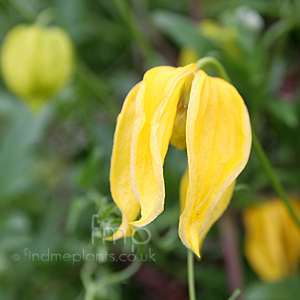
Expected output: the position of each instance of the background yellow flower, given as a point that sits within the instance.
(272, 242)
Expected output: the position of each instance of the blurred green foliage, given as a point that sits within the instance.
(55, 165)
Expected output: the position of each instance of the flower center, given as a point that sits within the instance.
(178, 137)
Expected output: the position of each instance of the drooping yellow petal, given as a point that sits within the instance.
(120, 180)
(155, 112)
(218, 147)
(217, 211)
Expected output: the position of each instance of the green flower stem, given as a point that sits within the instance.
(272, 176)
(191, 277)
(235, 294)
(97, 86)
(203, 62)
(279, 189)
(46, 16)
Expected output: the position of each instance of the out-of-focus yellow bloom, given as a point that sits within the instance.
(272, 242)
(189, 109)
(224, 36)
(36, 62)
(187, 55)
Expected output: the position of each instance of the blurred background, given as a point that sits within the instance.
(54, 163)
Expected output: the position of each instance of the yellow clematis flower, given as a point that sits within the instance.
(186, 108)
(272, 242)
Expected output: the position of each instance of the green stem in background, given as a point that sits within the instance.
(203, 62)
(279, 189)
(272, 176)
(276, 31)
(235, 294)
(97, 85)
(46, 16)
(191, 277)
(144, 45)
(276, 36)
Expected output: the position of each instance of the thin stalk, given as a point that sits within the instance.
(46, 16)
(279, 189)
(191, 277)
(203, 62)
(97, 85)
(235, 294)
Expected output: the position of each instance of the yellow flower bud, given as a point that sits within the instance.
(36, 62)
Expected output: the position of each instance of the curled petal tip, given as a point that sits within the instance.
(197, 253)
(125, 230)
(142, 222)
(110, 239)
